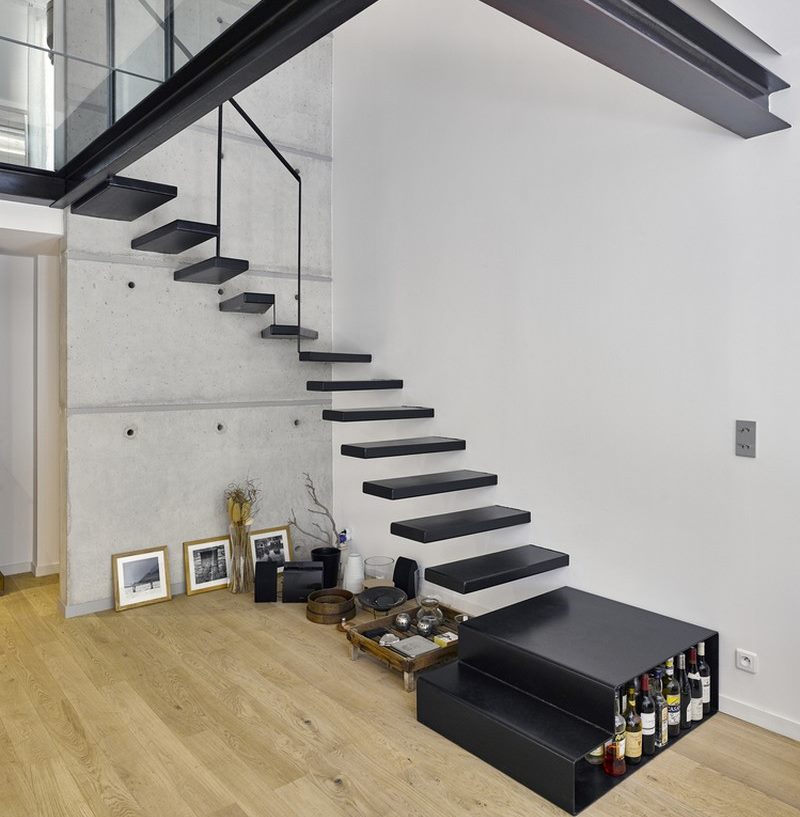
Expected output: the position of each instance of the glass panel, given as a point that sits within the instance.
(69, 69)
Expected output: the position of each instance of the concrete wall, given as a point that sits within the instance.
(162, 360)
(590, 284)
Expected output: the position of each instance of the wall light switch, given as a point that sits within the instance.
(745, 438)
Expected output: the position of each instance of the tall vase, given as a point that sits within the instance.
(241, 560)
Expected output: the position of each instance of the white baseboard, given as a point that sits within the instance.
(16, 569)
(760, 717)
(99, 606)
(45, 570)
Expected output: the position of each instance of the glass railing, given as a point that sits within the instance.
(69, 69)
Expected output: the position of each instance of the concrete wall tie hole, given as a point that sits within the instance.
(131, 285)
(297, 422)
(130, 432)
(220, 291)
(220, 427)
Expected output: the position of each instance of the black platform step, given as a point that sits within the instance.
(334, 357)
(356, 415)
(175, 237)
(353, 385)
(403, 448)
(251, 303)
(215, 270)
(538, 745)
(427, 484)
(281, 331)
(122, 199)
(480, 572)
(460, 523)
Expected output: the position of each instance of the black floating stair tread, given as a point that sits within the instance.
(248, 302)
(460, 523)
(215, 270)
(335, 357)
(403, 448)
(353, 385)
(355, 415)
(283, 331)
(584, 633)
(537, 721)
(175, 237)
(122, 199)
(427, 484)
(492, 569)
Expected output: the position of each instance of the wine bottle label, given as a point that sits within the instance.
(633, 744)
(648, 723)
(620, 748)
(693, 674)
(697, 709)
(664, 725)
(706, 689)
(674, 709)
(689, 710)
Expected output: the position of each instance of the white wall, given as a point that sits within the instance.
(590, 284)
(16, 413)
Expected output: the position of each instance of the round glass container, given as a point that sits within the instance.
(429, 606)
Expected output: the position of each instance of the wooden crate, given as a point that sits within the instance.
(408, 666)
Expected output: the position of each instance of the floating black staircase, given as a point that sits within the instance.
(533, 690)
(357, 415)
(403, 448)
(215, 270)
(123, 199)
(251, 303)
(288, 332)
(427, 484)
(177, 236)
(334, 357)
(492, 569)
(460, 523)
(353, 385)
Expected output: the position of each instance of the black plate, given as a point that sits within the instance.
(382, 598)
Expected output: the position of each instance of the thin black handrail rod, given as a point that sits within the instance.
(219, 182)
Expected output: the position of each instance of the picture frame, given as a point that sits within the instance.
(272, 544)
(207, 564)
(141, 577)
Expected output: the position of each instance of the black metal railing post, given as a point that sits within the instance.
(219, 182)
(168, 26)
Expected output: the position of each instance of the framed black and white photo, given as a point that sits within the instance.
(272, 545)
(207, 563)
(140, 577)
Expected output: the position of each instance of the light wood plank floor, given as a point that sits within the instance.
(212, 706)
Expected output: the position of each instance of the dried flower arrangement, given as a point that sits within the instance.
(242, 500)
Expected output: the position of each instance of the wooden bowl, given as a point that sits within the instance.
(331, 602)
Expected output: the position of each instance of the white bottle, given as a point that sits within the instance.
(354, 573)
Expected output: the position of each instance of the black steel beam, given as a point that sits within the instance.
(663, 48)
(30, 185)
(269, 34)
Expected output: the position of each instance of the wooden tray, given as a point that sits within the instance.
(408, 666)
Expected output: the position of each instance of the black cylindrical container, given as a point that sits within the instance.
(329, 557)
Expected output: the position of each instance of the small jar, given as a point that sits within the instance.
(427, 625)
(429, 606)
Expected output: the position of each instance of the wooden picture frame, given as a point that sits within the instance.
(134, 570)
(267, 539)
(201, 560)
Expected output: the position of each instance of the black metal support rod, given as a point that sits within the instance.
(299, 256)
(262, 136)
(111, 45)
(169, 37)
(219, 181)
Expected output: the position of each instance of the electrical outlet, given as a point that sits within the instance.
(746, 438)
(746, 660)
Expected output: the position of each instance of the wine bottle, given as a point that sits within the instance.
(669, 668)
(662, 710)
(633, 729)
(696, 687)
(614, 760)
(686, 693)
(648, 712)
(637, 685)
(705, 676)
(672, 692)
(596, 756)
